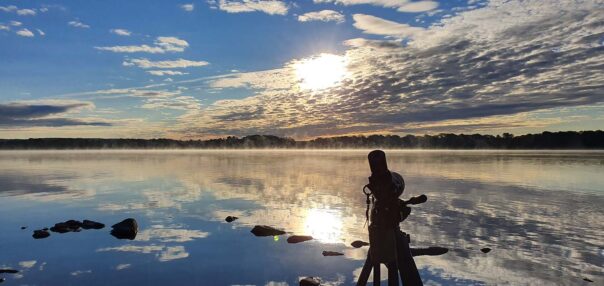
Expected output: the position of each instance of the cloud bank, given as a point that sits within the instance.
(486, 67)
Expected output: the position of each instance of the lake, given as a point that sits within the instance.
(541, 213)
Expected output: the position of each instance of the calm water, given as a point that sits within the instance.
(541, 213)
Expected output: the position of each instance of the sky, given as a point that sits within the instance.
(302, 69)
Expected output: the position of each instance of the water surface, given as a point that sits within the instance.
(540, 212)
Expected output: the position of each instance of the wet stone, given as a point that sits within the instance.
(89, 224)
(359, 244)
(39, 234)
(298, 238)
(126, 229)
(264, 230)
(310, 281)
(332, 253)
(432, 251)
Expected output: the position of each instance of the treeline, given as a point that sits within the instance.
(545, 140)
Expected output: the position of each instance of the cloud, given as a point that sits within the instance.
(499, 62)
(271, 7)
(122, 266)
(78, 24)
(176, 103)
(161, 45)
(29, 114)
(40, 32)
(120, 32)
(164, 253)
(27, 264)
(399, 5)
(10, 8)
(179, 63)
(134, 92)
(26, 12)
(188, 7)
(4, 28)
(25, 33)
(165, 72)
(378, 26)
(16, 23)
(323, 15)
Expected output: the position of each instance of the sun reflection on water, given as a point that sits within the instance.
(324, 225)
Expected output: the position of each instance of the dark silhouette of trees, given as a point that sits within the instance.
(545, 140)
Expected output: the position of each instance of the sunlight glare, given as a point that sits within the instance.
(320, 72)
(324, 225)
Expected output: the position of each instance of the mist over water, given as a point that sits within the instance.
(540, 212)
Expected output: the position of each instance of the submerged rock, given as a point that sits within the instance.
(310, 281)
(332, 253)
(231, 218)
(265, 230)
(298, 238)
(434, 250)
(23, 227)
(11, 271)
(359, 244)
(126, 229)
(89, 224)
(38, 234)
(485, 250)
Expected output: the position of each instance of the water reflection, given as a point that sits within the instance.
(540, 212)
(324, 225)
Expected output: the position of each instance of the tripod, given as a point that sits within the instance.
(403, 264)
(388, 244)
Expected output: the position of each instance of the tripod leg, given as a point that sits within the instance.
(376, 275)
(392, 274)
(406, 264)
(364, 276)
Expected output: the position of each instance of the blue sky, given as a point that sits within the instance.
(303, 69)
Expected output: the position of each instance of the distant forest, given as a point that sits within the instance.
(545, 140)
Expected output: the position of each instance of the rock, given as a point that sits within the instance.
(434, 250)
(38, 234)
(231, 218)
(89, 224)
(67, 226)
(46, 229)
(485, 250)
(298, 238)
(12, 271)
(126, 229)
(587, 279)
(264, 230)
(23, 227)
(2, 280)
(332, 253)
(359, 244)
(310, 281)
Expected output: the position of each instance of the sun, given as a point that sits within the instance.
(321, 71)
